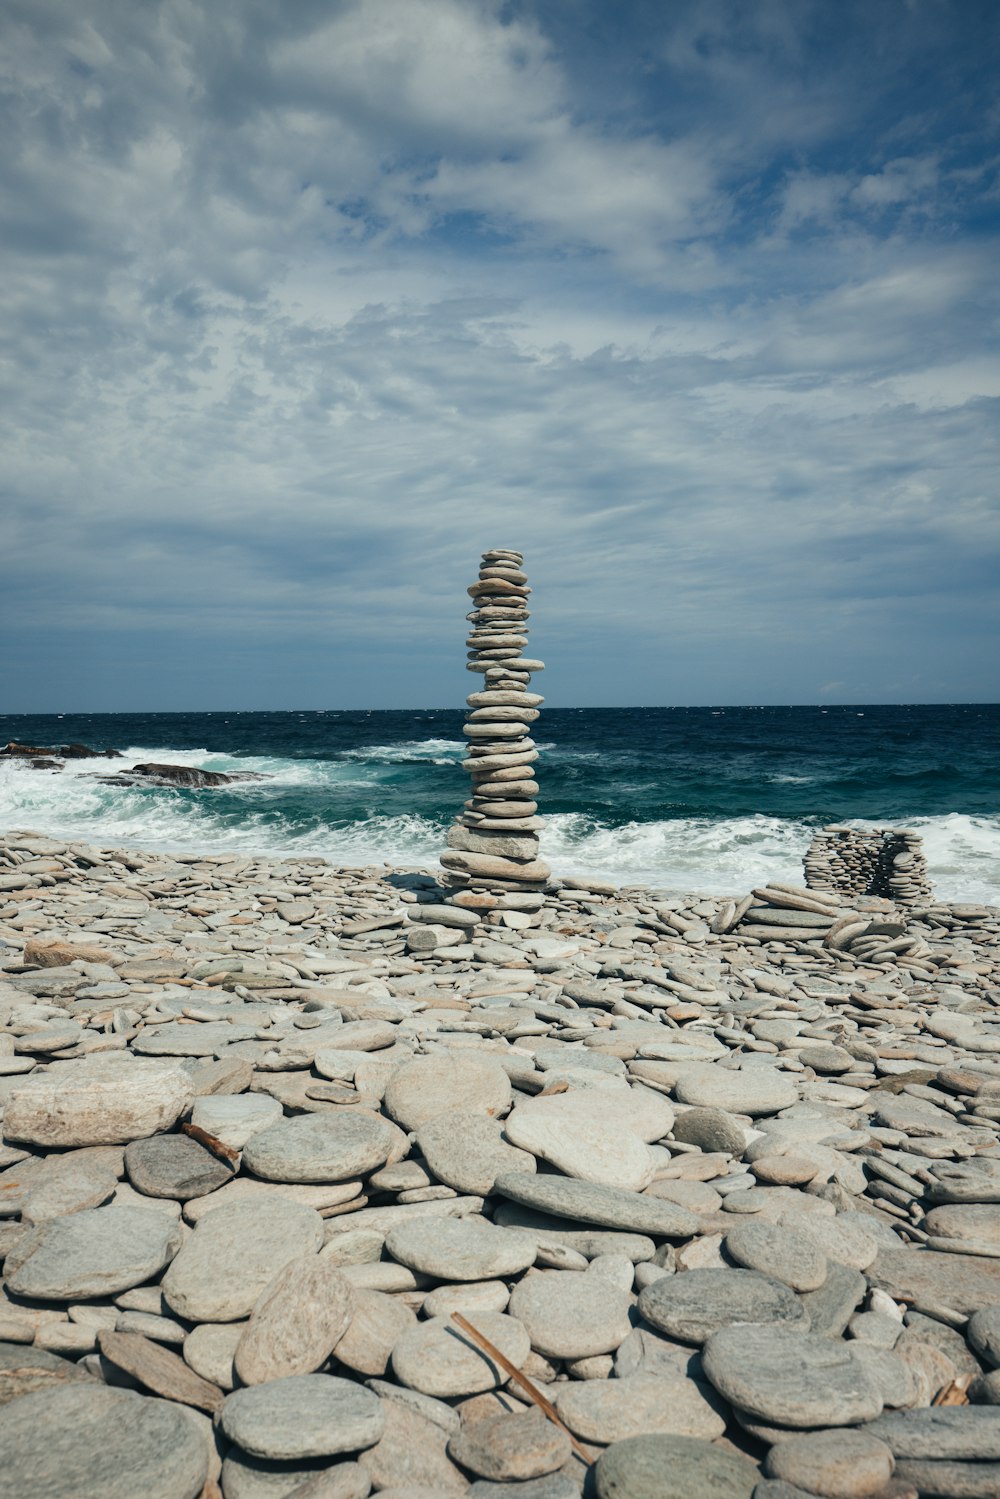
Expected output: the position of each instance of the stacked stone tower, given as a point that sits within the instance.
(492, 856)
(874, 861)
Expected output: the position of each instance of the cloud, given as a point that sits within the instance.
(303, 307)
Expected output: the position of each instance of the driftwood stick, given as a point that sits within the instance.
(210, 1142)
(532, 1392)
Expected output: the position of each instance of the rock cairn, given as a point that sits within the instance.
(887, 862)
(868, 928)
(729, 1203)
(492, 858)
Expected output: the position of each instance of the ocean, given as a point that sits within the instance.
(694, 799)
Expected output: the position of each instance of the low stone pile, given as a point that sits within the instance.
(729, 1205)
(870, 930)
(886, 862)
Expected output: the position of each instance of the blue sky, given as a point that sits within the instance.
(303, 306)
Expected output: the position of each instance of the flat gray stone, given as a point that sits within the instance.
(841, 1464)
(86, 1439)
(460, 1248)
(966, 1432)
(306, 1415)
(511, 1448)
(711, 1130)
(234, 1118)
(377, 1323)
(548, 1229)
(788, 1378)
(297, 1321)
(693, 1305)
(204, 1040)
(234, 1254)
(246, 1477)
(963, 1282)
(411, 1458)
(571, 1313)
(174, 1166)
(329, 1147)
(606, 1207)
(831, 1308)
(651, 1467)
(466, 1150)
(420, 1090)
(610, 1410)
(983, 1334)
(101, 1100)
(551, 1486)
(27, 1370)
(950, 1479)
(99, 1252)
(753, 1091)
(779, 1252)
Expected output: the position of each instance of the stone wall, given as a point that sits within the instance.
(887, 862)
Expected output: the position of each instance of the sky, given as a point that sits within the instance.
(303, 306)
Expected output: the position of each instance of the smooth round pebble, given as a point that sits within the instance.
(376, 1326)
(296, 1323)
(789, 1378)
(752, 1091)
(510, 1447)
(320, 1147)
(174, 1166)
(697, 1303)
(428, 1086)
(460, 1248)
(842, 1464)
(571, 1314)
(307, 1415)
(779, 1252)
(609, 1410)
(234, 1254)
(437, 1358)
(653, 1467)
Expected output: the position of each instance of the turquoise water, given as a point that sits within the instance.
(710, 799)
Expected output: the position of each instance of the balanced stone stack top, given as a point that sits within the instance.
(493, 853)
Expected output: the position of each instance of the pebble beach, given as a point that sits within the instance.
(720, 1212)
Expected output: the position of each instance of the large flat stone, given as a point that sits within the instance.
(234, 1254)
(788, 1378)
(963, 1282)
(86, 1439)
(101, 1100)
(329, 1147)
(651, 1467)
(306, 1415)
(606, 1207)
(697, 1303)
(96, 1253)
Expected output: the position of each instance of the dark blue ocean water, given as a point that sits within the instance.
(690, 798)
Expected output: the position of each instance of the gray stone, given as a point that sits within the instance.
(512, 1447)
(571, 1314)
(949, 1479)
(607, 1207)
(95, 1253)
(460, 1248)
(376, 1326)
(86, 1439)
(583, 1135)
(27, 1371)
(330, 1147)
(466, 1150)
(234, 1254)
(246, 1477)
(650, 1467)
(839, 1464)
(159, 1369)
(752, 1091)
(101, 1100)
(967, 1432)
(831, 1307)
(983, 1333)
(305, 1415)
(174, 1166)
(209, 1350)
(428, 1086)
(609, 1410)
(410, 1458)
(551, 1486)
(68, 1184)
(296, 1323)
(789, 1378)
(711, 1129)
(235, 1118)
(778, 1252)
(437, 1358)
(963, 1282)
(697, 1303)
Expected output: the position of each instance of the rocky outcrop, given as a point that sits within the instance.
(16, 751)
(180, 775)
